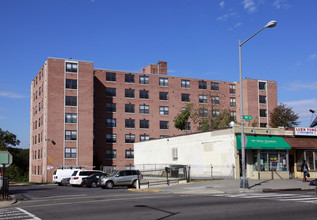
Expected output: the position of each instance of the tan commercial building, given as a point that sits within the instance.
(86, 117)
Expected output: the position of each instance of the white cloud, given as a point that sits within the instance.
(295, 86)
(312, 57)
(222, 4)
(226, 16)
(301, 107)
(281, 4)
(11, 95)
(249, 5)
(235, 26)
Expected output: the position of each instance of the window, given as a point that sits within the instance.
(111, 107)
(130, 123)
(35, 95)
(129, 108)
(234, 115)
(185, 97)
(111, 77)
(39, 107)
(232, 89)
(203, 113)
(144, 123)
(110, 123)
(164, 136)
(40, 91)
(70, 118)
(215, 100)
(163, 110)
(163, 82)
(202, 99)
(70, 152)
(185, 83)
(144, 109)
(111, 138)
(263, 125)
(214, 86)
(187, 126)
(263, 113)
(144, 94)
(262, 85)
(111, 154)
(144, 80)
(71, 67)
(129, 154)
(129, 78)
(163, 124)
(262, 99)
(215, 113)
(71, 101)
(129, 138)
(232, 102)
(175, 153)
(71, 135)
(164, 96)
(111, 92)
(71, 84)
(129, 93)
(144, 137)
(202, 85)
(273, 160)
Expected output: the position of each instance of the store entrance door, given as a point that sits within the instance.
(291, 164)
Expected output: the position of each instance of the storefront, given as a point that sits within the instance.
(267, 157)
(304, 147)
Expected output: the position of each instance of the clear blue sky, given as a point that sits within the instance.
(198, 39)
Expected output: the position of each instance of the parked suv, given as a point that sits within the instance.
(77, 176)
(121, 178)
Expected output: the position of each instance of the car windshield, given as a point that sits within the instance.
(113, 173)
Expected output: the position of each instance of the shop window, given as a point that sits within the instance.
(270, 160)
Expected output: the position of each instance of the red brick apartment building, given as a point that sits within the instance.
(86, 117)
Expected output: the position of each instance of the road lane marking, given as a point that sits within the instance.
(94, 201)
(29, 214)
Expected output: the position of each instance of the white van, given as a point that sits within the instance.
(77, 176)
(60, 174)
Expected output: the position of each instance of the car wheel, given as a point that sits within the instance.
(109, 184)
(60, 184)
(134, 185)
(93, 184)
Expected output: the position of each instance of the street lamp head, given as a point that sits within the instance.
(271, 24)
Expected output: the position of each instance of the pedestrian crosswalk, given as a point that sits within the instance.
(283, 197)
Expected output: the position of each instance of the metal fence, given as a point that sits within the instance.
(176, 172)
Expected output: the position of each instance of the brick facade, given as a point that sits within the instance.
(107, 96)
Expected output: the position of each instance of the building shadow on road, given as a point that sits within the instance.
(170, 214)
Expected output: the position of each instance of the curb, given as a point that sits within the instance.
(9, 202)
(287, 189)
(145, 190)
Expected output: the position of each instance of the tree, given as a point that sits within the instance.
(18, 170)
(181, 119)
(283, 116)
(205, 119)
(7, 139)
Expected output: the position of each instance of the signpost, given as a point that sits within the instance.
(247, 117)
(5, 160)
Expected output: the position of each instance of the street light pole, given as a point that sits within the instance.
(244, 181)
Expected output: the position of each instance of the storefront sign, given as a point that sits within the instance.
(305, 131)
(264, 142)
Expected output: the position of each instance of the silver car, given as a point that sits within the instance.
(120, 178)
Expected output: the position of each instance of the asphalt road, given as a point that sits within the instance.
(53, 202)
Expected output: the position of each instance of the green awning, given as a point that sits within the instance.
(264, 142)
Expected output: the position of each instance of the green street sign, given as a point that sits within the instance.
(247, 117)
(5, 158)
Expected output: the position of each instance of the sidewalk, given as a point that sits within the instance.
(232, 186)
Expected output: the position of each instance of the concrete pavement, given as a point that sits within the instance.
(216, 187)
(233, 186)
